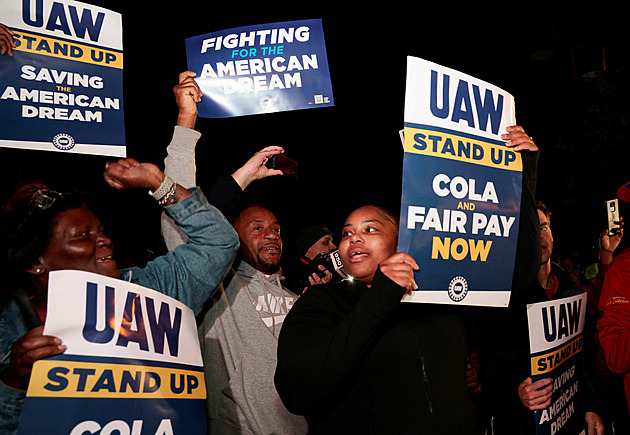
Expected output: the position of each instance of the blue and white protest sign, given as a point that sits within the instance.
(261, 69)
(461, 187)
(556, 342)
(133, 362)
(62, 89)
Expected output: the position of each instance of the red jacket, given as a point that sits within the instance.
(614, 325)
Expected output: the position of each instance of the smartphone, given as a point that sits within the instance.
(612, 209)
(285, 164)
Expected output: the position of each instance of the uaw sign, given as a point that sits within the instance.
(261, 69)
(556, 342)
(461, 190)
(132, 365)
(62, 89)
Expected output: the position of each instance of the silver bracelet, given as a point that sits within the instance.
(170, 196)
(164, 188)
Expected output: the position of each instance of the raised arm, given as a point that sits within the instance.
(192, 272)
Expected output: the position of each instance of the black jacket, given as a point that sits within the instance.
(355, 359)
(504, 357)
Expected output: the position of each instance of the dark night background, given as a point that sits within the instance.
(568, 72)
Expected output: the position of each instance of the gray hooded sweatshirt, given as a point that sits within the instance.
(239, 339)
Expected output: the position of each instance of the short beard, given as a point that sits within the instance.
(268, 268)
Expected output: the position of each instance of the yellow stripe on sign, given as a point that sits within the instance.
(52, 47)
(54, 378)
(549, 361)
(465, 149)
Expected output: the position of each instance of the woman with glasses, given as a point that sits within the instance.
(49, 231)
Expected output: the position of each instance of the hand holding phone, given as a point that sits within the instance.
(612, 210)
(285, 164)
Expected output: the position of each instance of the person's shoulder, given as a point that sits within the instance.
(622, 260)
(566, 285)
(328, 293)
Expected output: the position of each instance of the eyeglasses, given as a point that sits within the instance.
(43, 199)
(40, 201)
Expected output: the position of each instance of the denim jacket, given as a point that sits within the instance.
(191, 274)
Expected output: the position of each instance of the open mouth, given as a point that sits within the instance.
(271, 248)
(105, 259)
(357, 255)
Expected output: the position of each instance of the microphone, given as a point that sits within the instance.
(332, 263)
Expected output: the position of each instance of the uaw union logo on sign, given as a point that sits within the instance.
(63, 141)
(458, 288)
(266, 103)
